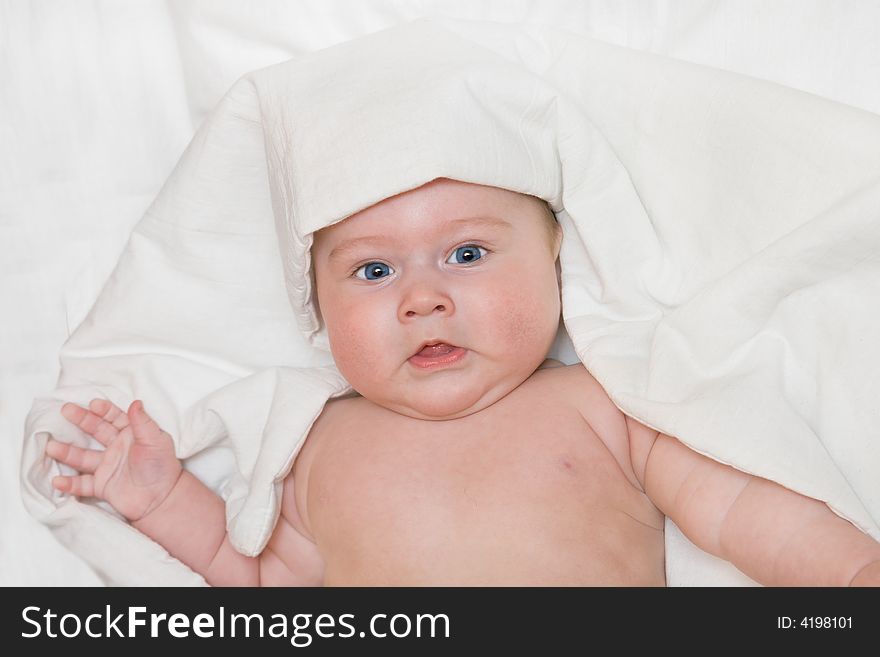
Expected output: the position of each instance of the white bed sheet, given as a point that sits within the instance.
(98, 100)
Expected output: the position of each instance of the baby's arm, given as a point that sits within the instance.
(772, 534)
(140, 476)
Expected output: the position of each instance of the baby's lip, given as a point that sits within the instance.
(436, 354)
(433, 342)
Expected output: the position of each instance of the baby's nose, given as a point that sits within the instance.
(423, 300)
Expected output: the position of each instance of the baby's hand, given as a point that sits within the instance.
(137, 467)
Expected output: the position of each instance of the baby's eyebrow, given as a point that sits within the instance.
(346, 246)
(480, 222)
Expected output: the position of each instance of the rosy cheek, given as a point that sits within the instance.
(356, 342)
(346, 342)
(519, 315)
(522, 324)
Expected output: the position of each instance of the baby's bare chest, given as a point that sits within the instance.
(457, 467)
(386, 484)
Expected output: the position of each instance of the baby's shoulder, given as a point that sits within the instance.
(574, 386)
(340, 412)
(572, 381)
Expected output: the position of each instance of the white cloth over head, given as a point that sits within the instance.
(720, 265)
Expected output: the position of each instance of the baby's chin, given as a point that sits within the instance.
(451, 405)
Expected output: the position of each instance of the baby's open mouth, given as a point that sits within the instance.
(436, 354)
(433, 350)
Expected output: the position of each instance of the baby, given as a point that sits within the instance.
(467, 458)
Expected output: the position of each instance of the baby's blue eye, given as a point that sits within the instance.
(373, 271)
(466, 254)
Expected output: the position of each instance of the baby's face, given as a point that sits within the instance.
(465, 267)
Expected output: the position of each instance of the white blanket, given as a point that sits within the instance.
(720, 264)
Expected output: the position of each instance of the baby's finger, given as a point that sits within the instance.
(84, 460)
(110, 412)
(81, 486)
(103, 431)
(143, 426)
